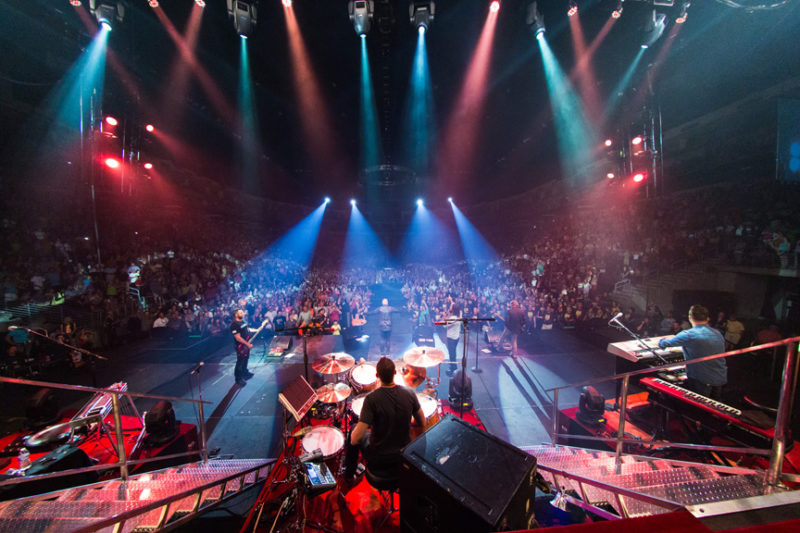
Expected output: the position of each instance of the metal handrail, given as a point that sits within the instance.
(788, 386)
(123, 462)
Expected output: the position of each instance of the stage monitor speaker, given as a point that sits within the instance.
(456, 477)
(66, 457)
(280, 344)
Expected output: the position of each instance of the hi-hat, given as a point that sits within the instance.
(333, 363)
(333, 393)
(423, 356)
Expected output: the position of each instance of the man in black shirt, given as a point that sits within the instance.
(241, 333)
(515, 321)
(383, 429)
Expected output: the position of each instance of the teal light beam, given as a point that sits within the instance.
(419, 108)
(370, 134)
(574, 135)
(248, 128)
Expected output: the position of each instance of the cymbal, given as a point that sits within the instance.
(408, 376)
(333, 393)
(423, 356)
(333, 363)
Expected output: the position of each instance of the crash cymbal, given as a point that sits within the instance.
(333, 363)
(408, 376)
(423, 356)
(333, 393)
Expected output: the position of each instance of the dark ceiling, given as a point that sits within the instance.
(721, 54)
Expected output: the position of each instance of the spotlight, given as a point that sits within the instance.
(112, 162)
(200, 3)
(153, 3)
(608, 142)
(610, 175)
(636, 141)
(535, 20)
(684, 14)
(494, 7)
(419, 202)
(107, 12)
(111, 121)
(75, 3)
(148, 166)
(243, 13)
(654, 28)
(361, 13)
(150, 128)
(639, 177)
(327, 199)
(450, 199)
(573, 8)
(353, 202)
(421, 13)
(286, 3)
(617, 13)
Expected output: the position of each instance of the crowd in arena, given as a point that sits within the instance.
(165, 284)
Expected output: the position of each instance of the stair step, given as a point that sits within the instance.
(712, 490)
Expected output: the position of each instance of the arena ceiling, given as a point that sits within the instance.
(720, 54)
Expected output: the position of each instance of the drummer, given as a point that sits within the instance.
(384, 424)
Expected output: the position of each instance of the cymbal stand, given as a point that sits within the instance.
(477, 343)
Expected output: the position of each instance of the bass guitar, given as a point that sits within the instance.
(241, 349)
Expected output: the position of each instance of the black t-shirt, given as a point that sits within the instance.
(241, 329)
(279, 322)
(388, 411)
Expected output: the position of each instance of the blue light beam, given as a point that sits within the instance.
(363, 247)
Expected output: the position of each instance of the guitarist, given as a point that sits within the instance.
(242, 335)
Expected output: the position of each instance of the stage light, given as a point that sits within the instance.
(610, 175)
(684, 13)
(573, 8)
(450, 199)
(200, 3)
(617, 13)
(76, 3)
(654, 29)
(608, 142)
(420, 203)
(112, 162)
(244, 15)
(327, 199)
(153, 3)
(150, 128)
(421, 13)
(636, 141)
(639, 177)
(494, 7)
(107, 12)
(361, 13)
(111, 121)
(535, 20)
(148, 166)
(353, 202)
(287, 3)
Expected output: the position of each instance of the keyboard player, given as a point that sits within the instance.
(701, 340)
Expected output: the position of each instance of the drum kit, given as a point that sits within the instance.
(350, 385)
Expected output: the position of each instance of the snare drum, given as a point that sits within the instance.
(364, 378)
(430, 410)
(328, 439)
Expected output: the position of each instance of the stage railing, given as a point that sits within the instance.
(123, 462)
(778, 449)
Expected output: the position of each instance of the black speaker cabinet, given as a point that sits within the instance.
(455, 477)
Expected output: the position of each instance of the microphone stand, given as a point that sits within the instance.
(641, 343)
(464, 322)
(81, 350)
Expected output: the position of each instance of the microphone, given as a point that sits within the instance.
(196, 369)
(616, 317)
(311, 457)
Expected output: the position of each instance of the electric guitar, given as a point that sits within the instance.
(241, 349)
